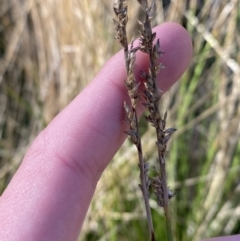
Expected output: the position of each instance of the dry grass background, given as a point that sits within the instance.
(50, 50)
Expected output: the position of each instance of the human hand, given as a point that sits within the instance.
(49, 195)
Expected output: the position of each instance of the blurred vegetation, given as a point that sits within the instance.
(50, 50)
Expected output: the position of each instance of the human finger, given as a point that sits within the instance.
(49, 195)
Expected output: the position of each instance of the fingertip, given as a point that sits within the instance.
(176, 44)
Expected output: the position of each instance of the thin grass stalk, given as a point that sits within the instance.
(153, 96)
(120, 10)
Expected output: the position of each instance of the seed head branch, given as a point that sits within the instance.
(152, 96)
(120, 9)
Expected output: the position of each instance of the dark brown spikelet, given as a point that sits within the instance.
(156, 185)
(120, 10)
(147, 37)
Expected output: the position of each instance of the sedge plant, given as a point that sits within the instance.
(152, 96)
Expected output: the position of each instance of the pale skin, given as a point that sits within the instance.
(50, 193)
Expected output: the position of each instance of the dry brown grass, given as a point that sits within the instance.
(50, 50)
